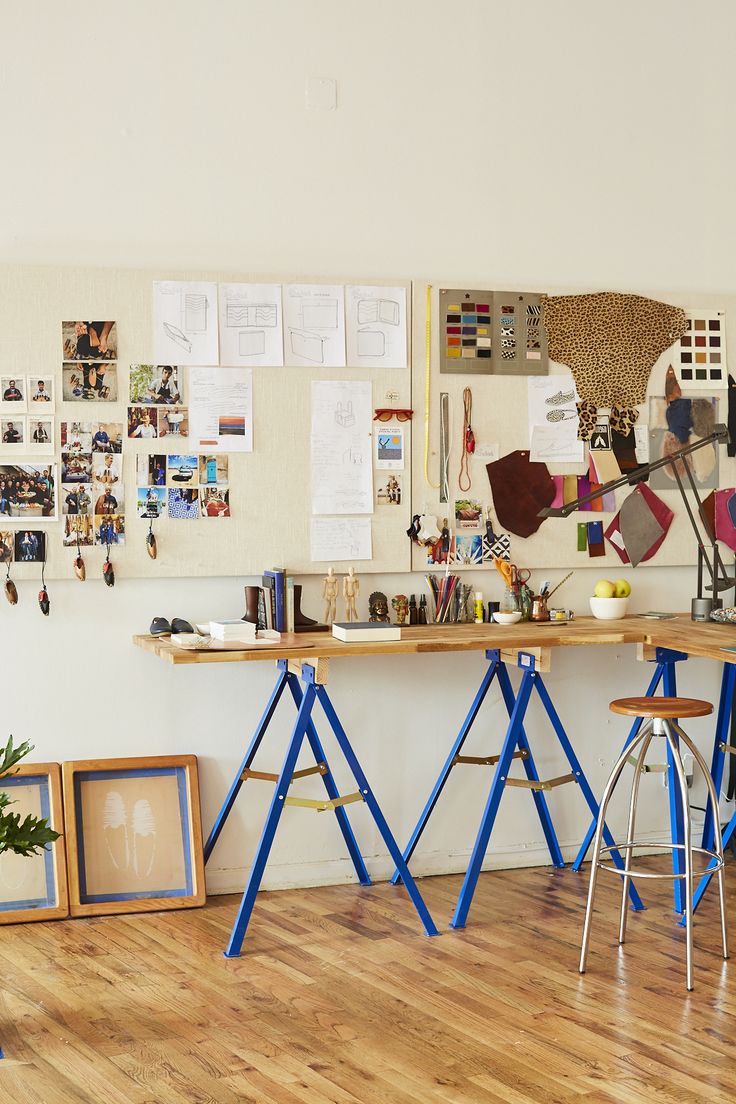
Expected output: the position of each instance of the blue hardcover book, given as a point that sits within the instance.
(279, 577)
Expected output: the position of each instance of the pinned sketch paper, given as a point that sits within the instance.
(341, 539)
(251, 325)
(342, 472)
(390, 449)
(375, 321)
(553, 420)
(314, 325)
(550, 445)
(184, 322)
(221, 409)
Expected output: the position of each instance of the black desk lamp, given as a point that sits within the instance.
(709, 558)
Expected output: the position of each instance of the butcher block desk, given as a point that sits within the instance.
(302, 662)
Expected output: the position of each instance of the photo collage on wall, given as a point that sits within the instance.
(157, 407)
(92, 491)
(186, 486)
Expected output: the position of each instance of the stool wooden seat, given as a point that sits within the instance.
(661, 707)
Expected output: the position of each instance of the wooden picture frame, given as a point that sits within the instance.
(34, 887)
(133, 835)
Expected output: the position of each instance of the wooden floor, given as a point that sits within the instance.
(339, 998)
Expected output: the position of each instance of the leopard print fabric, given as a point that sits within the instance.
(610, 341)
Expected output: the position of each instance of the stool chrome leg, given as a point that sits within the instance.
(642, 734)
(630, 834)
(717, 835)
(687, 840)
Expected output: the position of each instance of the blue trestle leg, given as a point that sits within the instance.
(304, 727)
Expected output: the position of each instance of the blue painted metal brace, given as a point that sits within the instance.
(515, 746)
(304, 700)
(664, 673)
(723, 727)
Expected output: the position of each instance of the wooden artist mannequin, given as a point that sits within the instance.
(329, 593)
(350, 591)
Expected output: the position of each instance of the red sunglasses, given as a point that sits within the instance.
(388, 413)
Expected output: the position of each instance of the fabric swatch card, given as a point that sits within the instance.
(596, 547)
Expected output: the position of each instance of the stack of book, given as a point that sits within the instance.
(242, 632)
(358, 631)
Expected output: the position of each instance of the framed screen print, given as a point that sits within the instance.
(699, 357)
(133, 835)
(492, 333)
(34, 887)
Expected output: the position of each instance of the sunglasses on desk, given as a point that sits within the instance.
(387, 414)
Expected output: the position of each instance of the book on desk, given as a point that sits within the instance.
(365, 630)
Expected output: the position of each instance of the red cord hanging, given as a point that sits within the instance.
(464, 481)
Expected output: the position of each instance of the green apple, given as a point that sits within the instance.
(604, 588)
(623, 588)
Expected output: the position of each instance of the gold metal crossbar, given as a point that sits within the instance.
(266, 776)
(649, 768)
(549, 784)
(488, 760)
(323, 806)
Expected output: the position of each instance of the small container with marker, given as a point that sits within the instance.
(478, 607)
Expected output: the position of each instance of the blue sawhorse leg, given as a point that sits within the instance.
(272, 820)
(250, 754)
(677, 824)
(332, 790)
(494, 666)
(723, 726)
(393, 848)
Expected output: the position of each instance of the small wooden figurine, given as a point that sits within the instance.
(329, 593)
(350, 591)
(378, 607)
(401, 604)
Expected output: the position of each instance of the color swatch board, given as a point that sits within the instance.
(699, 357)
(491, 332)
(270, 522)
(500, 420)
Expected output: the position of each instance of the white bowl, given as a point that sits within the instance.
(609, 609)
(507, 618)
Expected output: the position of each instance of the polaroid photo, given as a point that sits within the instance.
(41, 393)
(76, 437)
(13, 395)
(468, 549)
(76, 499)
(89, 340)
(142, 423)
(173, 421)
(109, 498)
(13, 434)
(150, 470)
(30, 546)
(78, 526)
(109, 529)
(213, 470)
(28, 492)
(156, 384)
(89, 382)
(151, 502)
(184, 503)
(106, 467)
(7, 546)
(181, 471)
(215, 502)
(468, 513)
(106, 436)
(388, 492)
(40, 434)
(76, 467)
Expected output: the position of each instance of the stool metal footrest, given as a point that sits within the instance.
(630, 873)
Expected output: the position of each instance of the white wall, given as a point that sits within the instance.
(560, 143)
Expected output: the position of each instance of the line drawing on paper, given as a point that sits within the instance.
(195, 312)
(310, 346)
(379, 310)
(115, 828)
(344, 415)
(176, 335)
(251, 343)
(371, 343)
(319, 314)
(144, 838)
(353, 456)
(240, 312)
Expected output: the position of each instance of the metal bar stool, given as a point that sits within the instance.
(659, 720)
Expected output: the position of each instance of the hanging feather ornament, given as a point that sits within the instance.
(151, 547)
(79, 569)
(108, 573)
(10, 590)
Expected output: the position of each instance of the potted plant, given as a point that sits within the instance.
(27, 836)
